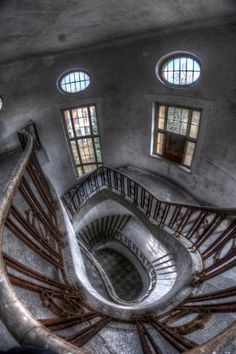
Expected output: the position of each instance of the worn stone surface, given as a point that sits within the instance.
(6, 340)
(7, 163)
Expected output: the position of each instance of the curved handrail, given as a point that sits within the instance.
(31, 331)
(224, 211)
(120, 237)
(18, 320)
(175, 216)
(219, 343)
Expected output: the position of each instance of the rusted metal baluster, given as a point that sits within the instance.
(222, 307)
(59, 323)
(179, 230)
(143, 333)
(35, 247)
(41, 188)
(22, 268)
(146, 201)
(31, 229)
(219, 266)
(35, 205)
(144, 343)
(197, 225)
(82, 337)
(109, 182)
(180, 343)
(175, 215)
(157, 209)
(221, 294)
(208, 231)
(221, 240)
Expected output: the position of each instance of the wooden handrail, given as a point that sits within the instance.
(23, 326)
(27, 330)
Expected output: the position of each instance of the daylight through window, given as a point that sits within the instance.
(83, 135)
(179, 70)
(74, 81)
(175, 133)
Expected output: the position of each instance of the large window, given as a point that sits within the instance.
(83, 135)
(175, 132)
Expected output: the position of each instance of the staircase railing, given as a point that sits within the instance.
(21, 324)
(114, 234)
(210, 230)
(195, 223)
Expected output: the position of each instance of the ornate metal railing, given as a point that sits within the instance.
(28, 213)
(114, 234)
(210, 231)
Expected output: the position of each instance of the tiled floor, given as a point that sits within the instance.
(126, 282)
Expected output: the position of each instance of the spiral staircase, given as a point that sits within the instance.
(110, 268)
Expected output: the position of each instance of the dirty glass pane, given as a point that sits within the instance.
(68, 124)
(98, 149)
(75, 152)
(86, 150)
(193, 131)
(189, 153)
(81, 121)
(160, 142)
(188, 160)
(85, 143)
(185, 115)
(196, 117)
(161, 123)
(74, 82)
(88, 168)
(190, 148)
(94, 120)
(79, 170)
(181, 70)
(177, 119)
(162, 111)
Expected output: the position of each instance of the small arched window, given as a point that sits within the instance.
(73, 81)
(180, 69)
(1, 103)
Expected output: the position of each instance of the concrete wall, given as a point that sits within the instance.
(124, 85)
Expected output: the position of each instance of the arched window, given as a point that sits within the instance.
(73, 81)
(1, 103)
(180, 69)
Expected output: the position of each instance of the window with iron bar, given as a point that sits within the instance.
(82, 131)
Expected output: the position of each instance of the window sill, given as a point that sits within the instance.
(184, 168)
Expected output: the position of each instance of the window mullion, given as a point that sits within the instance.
(91, 129)
(76, 142)
(156, 127)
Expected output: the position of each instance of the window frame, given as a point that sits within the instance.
(155, 131)
(171, 56)
(1, 103)
(75, 138)
(68, 72)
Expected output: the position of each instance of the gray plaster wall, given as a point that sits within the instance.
(124, 86)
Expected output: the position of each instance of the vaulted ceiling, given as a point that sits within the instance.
(30, 27)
